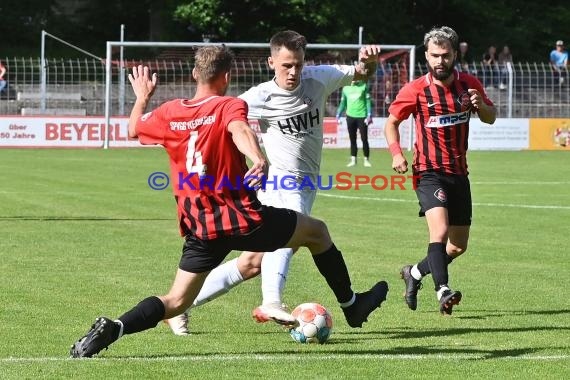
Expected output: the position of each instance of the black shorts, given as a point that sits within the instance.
(204, 255)
(453, 192)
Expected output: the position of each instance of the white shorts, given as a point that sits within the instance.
(296, 200)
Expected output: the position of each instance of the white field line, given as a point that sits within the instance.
(510, 205)
(287, 357)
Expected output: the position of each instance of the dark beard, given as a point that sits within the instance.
(441, 75)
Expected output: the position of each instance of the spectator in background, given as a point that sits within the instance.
(358, 105)
(490, 69)
(504, 57)
(559, 61)
(464, 58)
(2, 80)
(384, 74)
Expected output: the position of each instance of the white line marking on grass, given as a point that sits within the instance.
(320, 193)
(545, 207)
(300, 357)
(510, 205)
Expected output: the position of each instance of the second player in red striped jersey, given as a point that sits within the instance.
(441, 103)
(441, 114)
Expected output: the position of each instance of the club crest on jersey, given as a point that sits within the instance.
(440, 195)
(308, 101)
(464, 100)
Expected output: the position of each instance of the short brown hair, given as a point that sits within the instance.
(441, 35)
(212, 61)
(289, 39)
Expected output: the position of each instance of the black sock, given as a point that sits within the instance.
(331, 265)
(423, 266)
(144, 316)
(438, 264)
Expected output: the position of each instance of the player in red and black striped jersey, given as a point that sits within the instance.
(207, 139)
(441, 103)
(212, 200)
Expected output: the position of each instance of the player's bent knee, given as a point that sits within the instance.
(454, 251)
(249, 260)
(250, 272)
(320, 230)
(438, 232)
(174, 305)
(311, 233)
(249, 264)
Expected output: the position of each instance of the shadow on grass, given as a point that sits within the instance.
(417, 334)
(504, 313)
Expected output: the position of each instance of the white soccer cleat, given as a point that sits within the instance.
(178, 324)
(275, 312)
(367, 163)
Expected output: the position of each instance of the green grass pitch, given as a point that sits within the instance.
(83, 235)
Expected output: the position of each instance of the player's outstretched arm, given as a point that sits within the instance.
(246, 141)
(367, 62)
(143, 86)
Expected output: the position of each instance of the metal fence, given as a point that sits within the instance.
(77, 86)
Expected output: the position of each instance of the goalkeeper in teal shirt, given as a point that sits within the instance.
(358, 105)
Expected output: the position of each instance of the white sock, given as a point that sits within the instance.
(440, 291)
(349, 303)
(220, 281)
(415, 272)
(274, 269)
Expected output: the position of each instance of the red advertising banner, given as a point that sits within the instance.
(64, 132)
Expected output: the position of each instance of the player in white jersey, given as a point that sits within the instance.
(290, 109)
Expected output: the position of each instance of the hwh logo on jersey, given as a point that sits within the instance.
(447, 120)
(299, 123)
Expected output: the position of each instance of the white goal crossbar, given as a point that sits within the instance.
(111, 44)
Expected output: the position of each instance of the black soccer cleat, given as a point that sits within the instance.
(103, 332)
(412, 287)
(447, 300)
(365, 303)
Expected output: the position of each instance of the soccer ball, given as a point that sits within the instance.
(315, 323)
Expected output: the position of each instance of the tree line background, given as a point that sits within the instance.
(529, 28)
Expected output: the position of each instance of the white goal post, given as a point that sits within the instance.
(143, 44)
